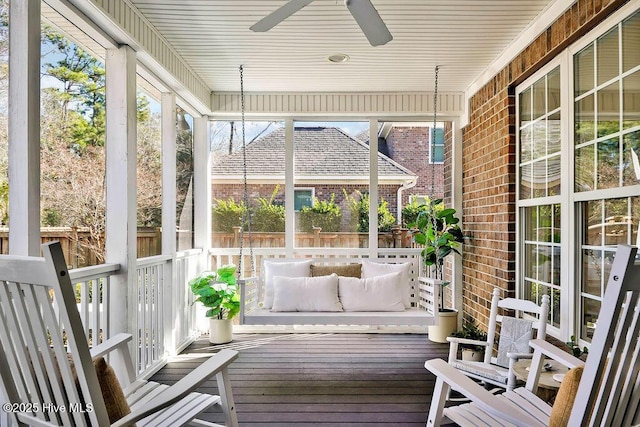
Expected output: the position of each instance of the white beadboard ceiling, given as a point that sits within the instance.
(463, 36)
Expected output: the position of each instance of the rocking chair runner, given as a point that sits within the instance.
(608, 393)
(48, 387)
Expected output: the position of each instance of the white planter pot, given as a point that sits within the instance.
(447, 324)
(471, 355)
(220, 331)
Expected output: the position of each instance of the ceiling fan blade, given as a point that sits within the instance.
(279, 15)
(369, 21)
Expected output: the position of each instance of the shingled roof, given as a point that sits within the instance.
(319, 152)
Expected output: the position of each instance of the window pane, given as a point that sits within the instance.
(584, 120)
(590, 310)
(593, 234)
(608, 110)
(631, 164)
(608, 163)
(617, 222)
(553, 134)
(583, 70)
(525, 107)
(539, 98)
(631, 100)
(554, 165)
(608, 56)
(553, 90)
(302, 198)
(526, 144)
(526, 183)
(631, 42)
(584, 172)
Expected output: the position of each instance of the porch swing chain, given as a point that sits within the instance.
(433, 130)
(246, 217)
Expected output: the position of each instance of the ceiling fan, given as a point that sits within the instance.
(363, 12)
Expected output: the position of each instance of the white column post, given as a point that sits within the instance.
(24, 128)
(120, 65)
(172, 316)
(373, 188)
(456, 203)
(289, 187)
(202, 184)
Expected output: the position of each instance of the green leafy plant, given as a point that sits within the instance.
(360, 213)
(218, 291)
(575, 348)
(471, 331)
(411, 211)
(437, 229)
(226, 214)
(325, 214)
(269, 216)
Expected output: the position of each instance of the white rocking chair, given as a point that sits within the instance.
(608, 392)
(46, 386)
(512, 346)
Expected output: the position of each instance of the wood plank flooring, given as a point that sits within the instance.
(322, 378)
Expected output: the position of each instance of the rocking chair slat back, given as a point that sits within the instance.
(613, 356)
(34, 340)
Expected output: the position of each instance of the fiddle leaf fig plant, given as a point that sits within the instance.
(218, 291)
(437, 229)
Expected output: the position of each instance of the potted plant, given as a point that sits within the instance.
(437, 229)
(470, 331)
(218, 292)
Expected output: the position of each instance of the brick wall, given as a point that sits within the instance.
(489, 156)
(409, 146)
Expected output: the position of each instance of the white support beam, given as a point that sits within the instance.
(201, 184)
(169, 134)
(373, 188)
(121, 185)
(289, 186)
(456, 203)
(24, 128)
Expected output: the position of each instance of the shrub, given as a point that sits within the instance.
(324, 213)
(227, 214)
(411, 211)
(360, 213)
(268, 217)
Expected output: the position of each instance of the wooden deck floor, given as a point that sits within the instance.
(322, 378)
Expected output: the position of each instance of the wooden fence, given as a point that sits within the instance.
(76, 247)
(80, 253)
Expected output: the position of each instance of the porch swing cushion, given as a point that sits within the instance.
(283, 269)
(375, 269)
(306, 294)
(380, 293)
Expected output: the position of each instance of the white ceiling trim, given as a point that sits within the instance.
(327, 104)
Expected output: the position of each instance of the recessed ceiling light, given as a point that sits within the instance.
(338, 58)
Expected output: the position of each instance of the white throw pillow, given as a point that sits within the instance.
(373, 269)
(306, 293)
(380, 293)
(285, 269)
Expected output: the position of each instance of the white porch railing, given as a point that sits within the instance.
(161, 289)
(92, 296)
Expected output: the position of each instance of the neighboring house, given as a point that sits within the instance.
(327, 160)
(409, 144)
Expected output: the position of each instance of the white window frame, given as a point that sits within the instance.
(568, 199)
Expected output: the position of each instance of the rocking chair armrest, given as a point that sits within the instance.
(555, 353)
(117, 342)
(519, 356)
(467, 341)
(182, 388)
(487, 401)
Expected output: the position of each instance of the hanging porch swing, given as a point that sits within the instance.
(317, 291)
